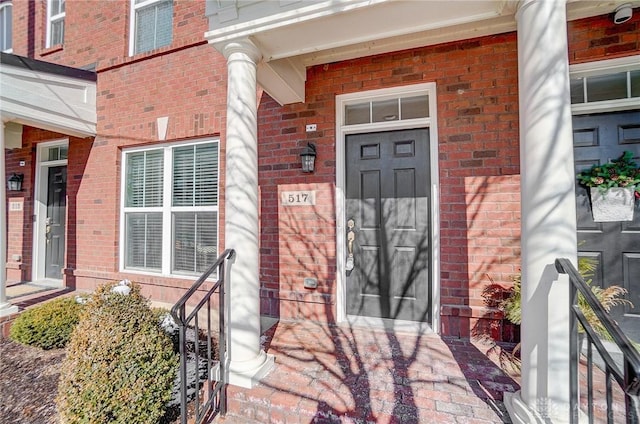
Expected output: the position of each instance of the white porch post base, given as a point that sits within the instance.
(7, 309)
(521, 413)
(248, 373)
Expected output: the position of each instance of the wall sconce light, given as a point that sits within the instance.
(308, 157)
(14, 182)
(622, 14)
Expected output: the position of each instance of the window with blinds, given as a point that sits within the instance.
(170, 211)
(55, 22)
(153, 24)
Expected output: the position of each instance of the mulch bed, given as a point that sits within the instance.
(28, 383)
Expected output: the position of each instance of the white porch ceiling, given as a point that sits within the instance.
(47, 96)
(294, 34)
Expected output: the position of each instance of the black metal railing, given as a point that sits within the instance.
(196, 344)
(628, 378)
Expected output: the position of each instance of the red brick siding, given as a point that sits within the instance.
(20, 223)
(5, 325)
(599, 38)
(97, 32)
(19, 234)
(185, 81)
(478, 138)
(478, 152)
(479, 169)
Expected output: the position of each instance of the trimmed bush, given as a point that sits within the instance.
(120, 364)
(47, 326)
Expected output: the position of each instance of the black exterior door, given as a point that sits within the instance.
(55, 222)
(615, 245)
(388, 198)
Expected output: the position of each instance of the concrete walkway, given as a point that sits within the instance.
(340, 374)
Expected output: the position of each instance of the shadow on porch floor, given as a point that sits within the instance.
(329, 374)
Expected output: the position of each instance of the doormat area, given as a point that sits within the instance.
(23, 289)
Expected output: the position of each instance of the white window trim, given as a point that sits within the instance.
(166, 208)
(8, 4)
(342, 131)
(132, 23)
(605, 67)
(40, 205)
(51, 19)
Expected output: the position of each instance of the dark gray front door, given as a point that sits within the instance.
(387, 197)
(55, 222)
(615, 245)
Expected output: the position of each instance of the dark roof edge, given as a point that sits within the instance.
(51, 68)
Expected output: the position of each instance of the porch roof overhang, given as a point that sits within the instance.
(294, 34)
(48, 96)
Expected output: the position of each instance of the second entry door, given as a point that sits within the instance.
(56, 222)
(615, 246)
(387, 210)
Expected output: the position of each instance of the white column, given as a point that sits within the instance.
(548, 211)
(6, 308)
(248, 363)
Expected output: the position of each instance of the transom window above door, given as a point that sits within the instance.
(169, 215)
(56, 153)
(611, 84)
(151, 25)
(387, 109)
(597, 88)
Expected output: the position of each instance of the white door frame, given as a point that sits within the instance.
(342, 131)
(40, 192)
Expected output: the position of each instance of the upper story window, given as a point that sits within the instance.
(170, 208)
(55, 22)
(152, 25)
(6, 26)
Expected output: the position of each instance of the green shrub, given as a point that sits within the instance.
(120, 365)
(47, 326)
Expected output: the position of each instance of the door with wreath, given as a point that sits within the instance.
(597, 139)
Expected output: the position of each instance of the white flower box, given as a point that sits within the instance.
(613, 204)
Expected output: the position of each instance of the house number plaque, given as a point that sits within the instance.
(15, 206)
(298, 198)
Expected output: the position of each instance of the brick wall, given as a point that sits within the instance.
(479, 171)
(478, 136)
(297, 242)
(185, 82)
(478, 152)
(19, 230)
(20, 223)
(598, 38)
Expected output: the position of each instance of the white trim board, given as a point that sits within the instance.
(341, 132)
